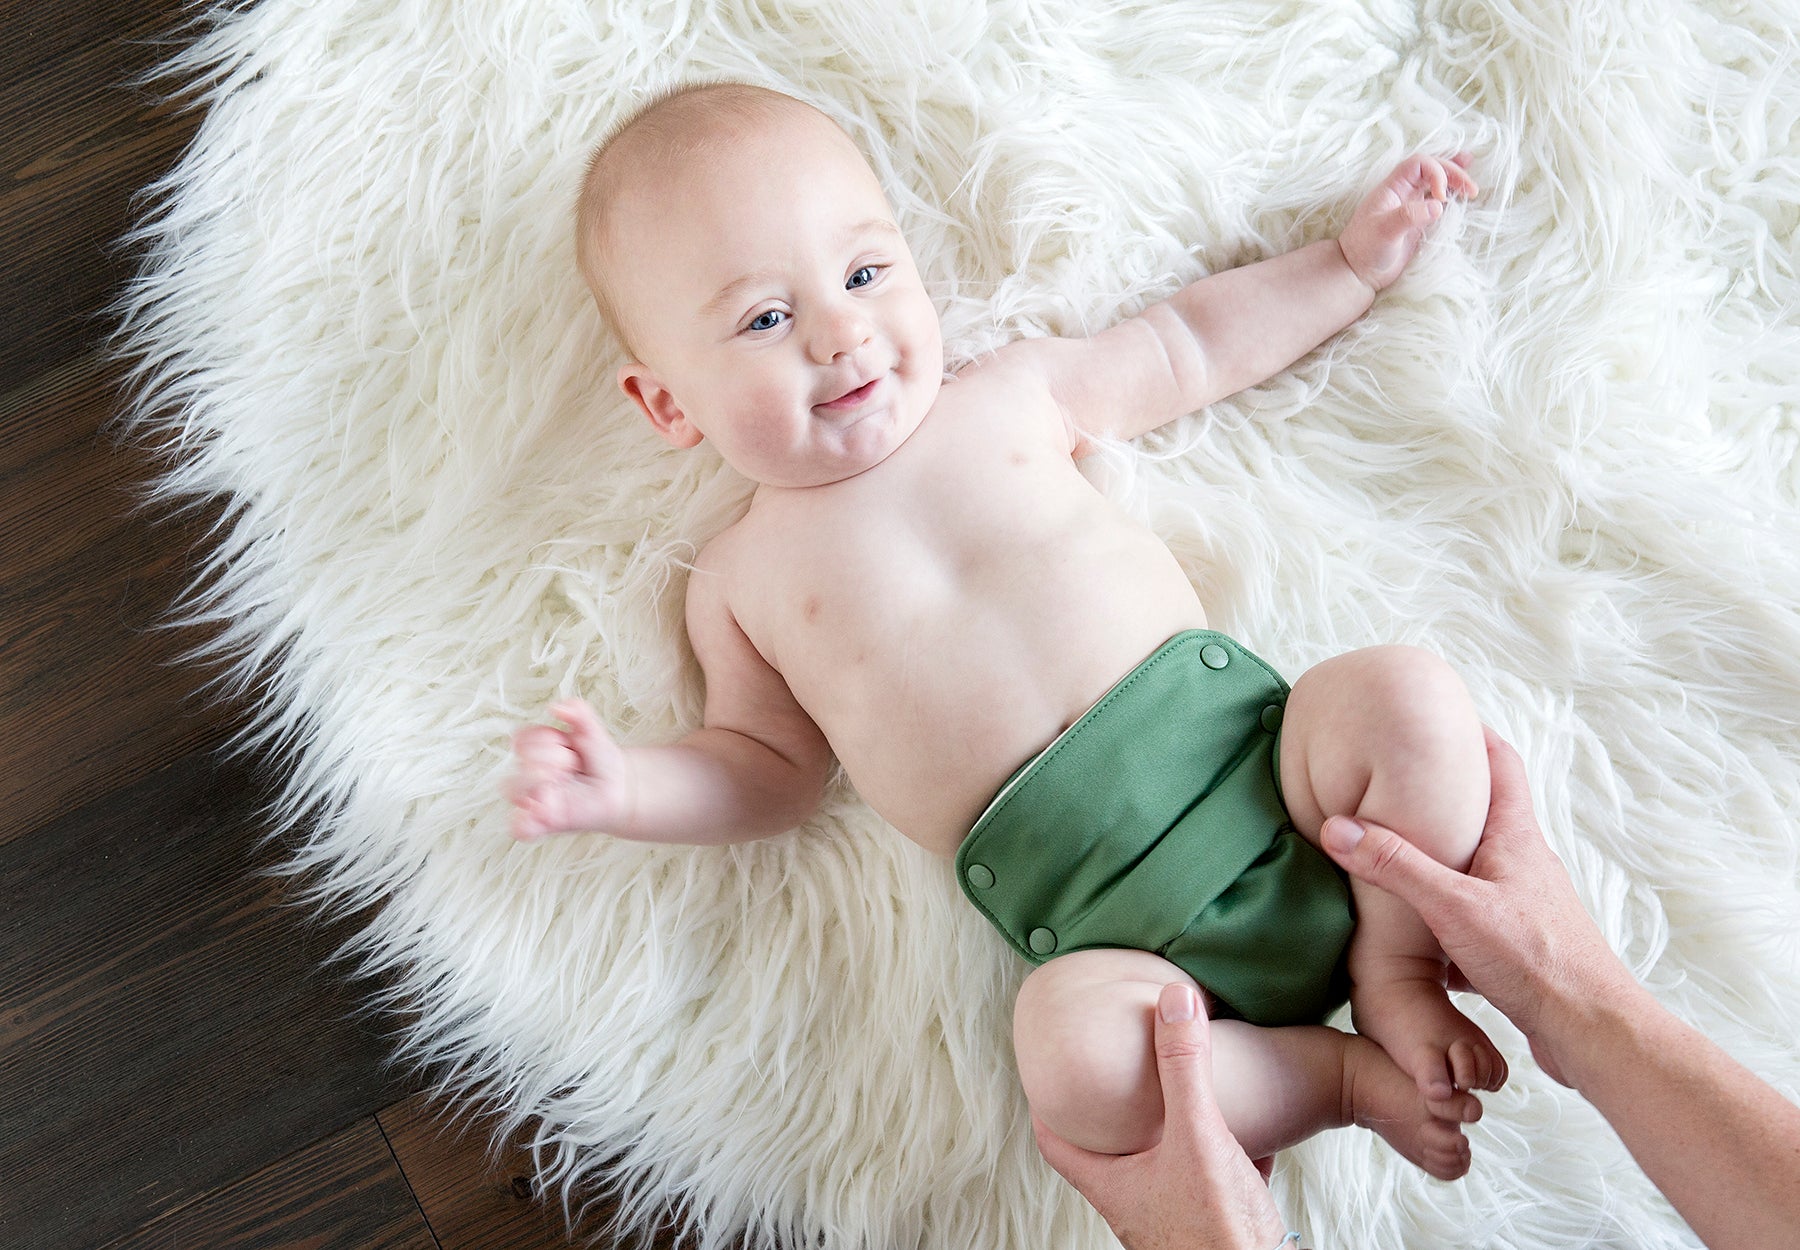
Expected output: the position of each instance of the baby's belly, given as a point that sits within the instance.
(940, 717)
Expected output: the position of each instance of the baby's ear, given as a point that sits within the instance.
(657, 403)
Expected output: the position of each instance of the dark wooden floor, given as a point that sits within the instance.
(179, 1066)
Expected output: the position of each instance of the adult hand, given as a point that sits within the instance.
(1195, 1187)
(1512, 924)
(1722, 1145)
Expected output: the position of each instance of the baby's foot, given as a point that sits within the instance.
(1379, 1096)
(1440, 1048)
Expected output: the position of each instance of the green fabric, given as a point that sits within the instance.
(1156, 822)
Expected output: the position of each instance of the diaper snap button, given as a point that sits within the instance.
(1042, 941)
(1271, 718)
(980, 876)
(1214, 656)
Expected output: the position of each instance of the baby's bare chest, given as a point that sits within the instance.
(975, 546)
(942, 621)
(983, 511)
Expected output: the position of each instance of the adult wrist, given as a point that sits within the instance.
(1583, 1030)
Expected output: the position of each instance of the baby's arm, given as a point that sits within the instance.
(1234, 329)
(756, 767)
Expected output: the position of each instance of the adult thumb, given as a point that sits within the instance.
(1384, 859)
(1183, 1055)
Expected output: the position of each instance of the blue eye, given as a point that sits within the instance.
(766, 321)
(852, 284)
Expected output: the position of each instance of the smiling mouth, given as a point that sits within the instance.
(852, 399)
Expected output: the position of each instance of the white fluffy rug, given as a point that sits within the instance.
(1562, 452)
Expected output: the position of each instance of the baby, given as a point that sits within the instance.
(1010, 670)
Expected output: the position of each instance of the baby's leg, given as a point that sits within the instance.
(1390, 734)
(1084, 1032)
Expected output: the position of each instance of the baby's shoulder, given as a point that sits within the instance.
(721, 553)
(711, 576)
(1008, 391)
(1016, 364)
(739, 553)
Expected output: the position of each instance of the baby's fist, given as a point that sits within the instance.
(568, 779)
(1391, 222)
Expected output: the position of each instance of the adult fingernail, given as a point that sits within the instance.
(1178, 1004)
(1342, 834)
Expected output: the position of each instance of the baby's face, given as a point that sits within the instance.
(778, 307)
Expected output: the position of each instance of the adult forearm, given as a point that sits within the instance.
(1256, 320)
(715, 786)
(1723, 1146)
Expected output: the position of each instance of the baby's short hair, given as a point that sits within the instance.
(670, 128)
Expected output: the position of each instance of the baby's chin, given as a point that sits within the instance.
(855, 459)
(822, 470)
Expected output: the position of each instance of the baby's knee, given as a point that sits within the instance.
(1420, 702)
(1083, 1033)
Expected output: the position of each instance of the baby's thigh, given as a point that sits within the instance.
(1393, 726)
(1084, 1034)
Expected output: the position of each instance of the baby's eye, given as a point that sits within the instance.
(862, 277)
(767, 320)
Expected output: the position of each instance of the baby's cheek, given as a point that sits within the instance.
(772, 417)
(926, 335)
(922, 363)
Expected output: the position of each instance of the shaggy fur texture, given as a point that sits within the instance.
(1561, 452)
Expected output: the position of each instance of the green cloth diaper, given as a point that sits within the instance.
(1156, 822)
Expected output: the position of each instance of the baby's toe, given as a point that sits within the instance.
(1459, 1108)
(1445, 1151)
(1476, 1065)
(1435, 1077)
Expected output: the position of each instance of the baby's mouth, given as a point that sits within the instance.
(851, 399)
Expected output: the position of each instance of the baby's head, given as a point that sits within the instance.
(744, 253)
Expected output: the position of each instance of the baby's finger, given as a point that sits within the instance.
(579, 717)
(546, 748)
(527, 781)
(1413, 172)
(587, 735)
(1437, 179)
(1461, 181)
(1415, 175)
(572, 711)
(1422, 213)
(529, 824)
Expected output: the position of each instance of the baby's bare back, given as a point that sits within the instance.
(944, 615)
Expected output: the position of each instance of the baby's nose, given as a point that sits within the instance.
(840, 332)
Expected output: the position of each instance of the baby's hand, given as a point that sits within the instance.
(577, 778)
(1390, 224)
